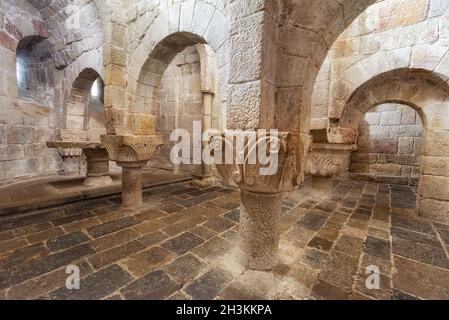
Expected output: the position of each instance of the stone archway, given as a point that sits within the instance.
(429, 95)
(188, 94)
(81, 111)
(141, 111)
(76, 104)
(388, 145)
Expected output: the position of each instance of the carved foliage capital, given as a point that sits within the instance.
(288, 174)
(328, 160)
(131, 148)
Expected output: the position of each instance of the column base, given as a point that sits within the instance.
(97, 181)
(259, 230)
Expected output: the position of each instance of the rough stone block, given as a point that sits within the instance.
(18, 134)
(384, 145)
(400, 13)
(439, 145)
(434, 209)
(435, 187)
(372, 118)
(435, 166)
(391, 118)
(405, 145)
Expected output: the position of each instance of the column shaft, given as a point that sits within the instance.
(259, 229)
(131, 187)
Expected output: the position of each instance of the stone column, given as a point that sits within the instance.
(97, 167)
(259, 229)
(131, 152)
(261, 197)
(131, 183)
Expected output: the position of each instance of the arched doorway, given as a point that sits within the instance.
(429, 96)
(178, 88)
(389, 145)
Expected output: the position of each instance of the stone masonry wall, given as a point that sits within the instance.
(389, 144)
(25, 125)
(390, 34)
(31, 116)
(179, 103)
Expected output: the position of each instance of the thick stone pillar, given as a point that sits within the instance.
(97, 167)
(131, 152)
(259, 229)
(261, 196)
(131, 184)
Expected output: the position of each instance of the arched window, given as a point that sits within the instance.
(34, 70)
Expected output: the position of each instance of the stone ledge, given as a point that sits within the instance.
(85, 193)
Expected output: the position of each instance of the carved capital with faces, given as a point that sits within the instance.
(328, 160)
(131, 148)
(283, 173)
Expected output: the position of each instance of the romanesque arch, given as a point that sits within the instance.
(429, 95)
(76, 104)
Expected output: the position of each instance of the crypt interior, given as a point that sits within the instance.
(92, 90)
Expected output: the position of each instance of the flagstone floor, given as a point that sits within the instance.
(184, 245)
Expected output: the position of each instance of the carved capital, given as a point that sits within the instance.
(328, 160)
(71, 135)
(291, 153)
(131, 148)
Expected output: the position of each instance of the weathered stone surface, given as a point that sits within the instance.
(113, 226)
(146, 261)
(107, 257)
(95, 286)
(155, 285)
(67, 241)
(313, 220)
(421, 280)
(240, 291)
(21, 273)
(209, 285)
(184, 269)
(182, 243)
(377, 247)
